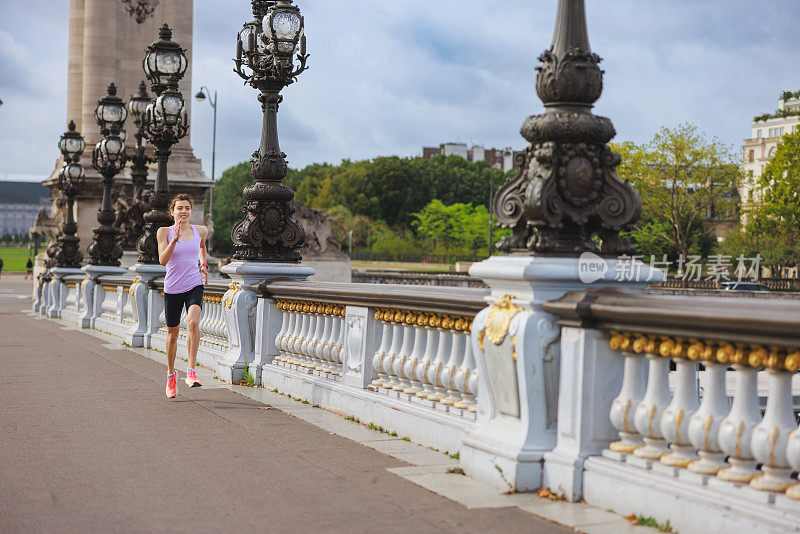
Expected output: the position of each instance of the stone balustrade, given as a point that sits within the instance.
(702, 433)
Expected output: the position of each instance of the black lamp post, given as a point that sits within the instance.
(201, 95)
(568, 191)
(70, 181)
(108, 158)
(270, 54)
(164, 123)
(133, 216)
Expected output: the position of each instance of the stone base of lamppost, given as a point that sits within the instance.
(58, 292)
(239, 305)
(532, 428)
(92, 297)
(146, 304)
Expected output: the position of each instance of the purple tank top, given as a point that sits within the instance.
(183, 272)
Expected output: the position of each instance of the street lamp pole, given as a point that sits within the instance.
(270, 54)
(164, 123)
(200, 96)
(108, 158)
(491, 215)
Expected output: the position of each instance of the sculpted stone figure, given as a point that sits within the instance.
(320, 238)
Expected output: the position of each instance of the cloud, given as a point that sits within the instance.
(389, 77)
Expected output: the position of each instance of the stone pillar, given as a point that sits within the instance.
(75, 63)
(534, 426)
(239, 305)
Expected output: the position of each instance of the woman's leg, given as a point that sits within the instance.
(172, 347)
(193, 326)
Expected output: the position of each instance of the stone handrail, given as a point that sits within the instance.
(435, 299)
(732, 320)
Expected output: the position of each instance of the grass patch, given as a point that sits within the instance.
(406, 438)
(636, 519)
(456, 471)
(14, 259)
(353, 419)
(455, 456)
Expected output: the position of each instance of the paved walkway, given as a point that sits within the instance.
(89, 443)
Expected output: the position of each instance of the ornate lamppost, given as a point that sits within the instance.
(70, 181)
(108, 158)
(64, 256)
(131, 220)
(567, 207)
(164, 123)
(270, 54)
(568, 190)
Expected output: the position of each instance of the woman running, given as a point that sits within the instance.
(182, 248)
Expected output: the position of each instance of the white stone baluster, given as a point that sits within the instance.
(329, 343)
(736, 430)
(297, 342)
(316, 338)
(449, 374)
(792, 364)
(630, 395)
(417, 352)
(324, 339)
(431, 349)
(308, 338)
(704, 424)
(647, 418)
(394, 352)
(341, 334)
(675, 419)
(399, 364)
(280, 339)
(289, 310)
(384, 348)
(442, 356)
(771, 435)
(466, 374)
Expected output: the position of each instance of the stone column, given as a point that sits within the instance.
(99, 60)
(75, 63)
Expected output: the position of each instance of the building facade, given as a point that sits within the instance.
(767, 130)
(19, 204)
(504, 159)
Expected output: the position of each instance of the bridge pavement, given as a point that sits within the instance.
(89, 443)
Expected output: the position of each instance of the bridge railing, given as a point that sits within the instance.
(698, 432)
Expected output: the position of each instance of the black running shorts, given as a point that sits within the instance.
(174, 302)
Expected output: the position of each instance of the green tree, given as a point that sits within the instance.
(772, 226)
(455, 229)
(683, 179)
(228, 202)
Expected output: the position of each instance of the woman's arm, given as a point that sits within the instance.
(203, 253)
(166, 247)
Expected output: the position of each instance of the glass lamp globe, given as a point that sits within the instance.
(283, 28)
(111, 112)
(169, 107)
(139, 101)
(165, 60)
(71, 143)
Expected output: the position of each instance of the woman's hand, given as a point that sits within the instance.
(204, 271)
(176, 231)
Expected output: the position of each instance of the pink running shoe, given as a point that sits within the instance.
(172, 385)
(191, 379)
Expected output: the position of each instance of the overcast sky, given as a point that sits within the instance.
(390, 76)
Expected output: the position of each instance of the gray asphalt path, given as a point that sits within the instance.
(90, 443)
